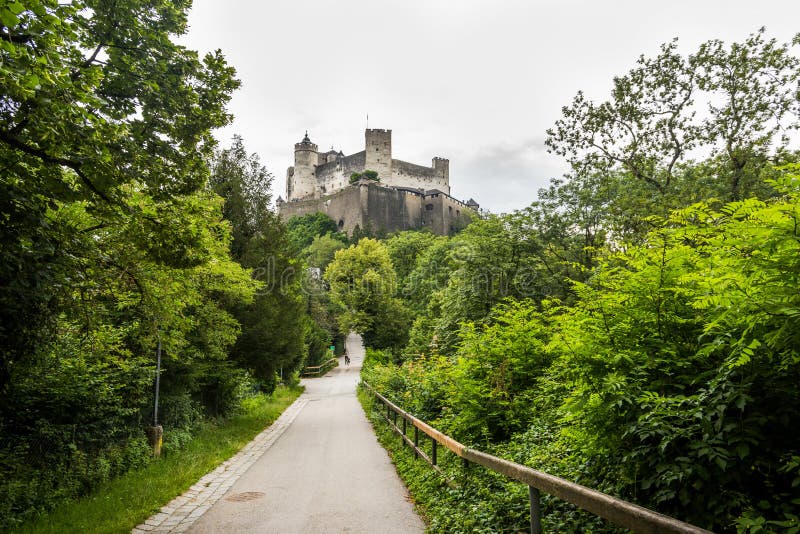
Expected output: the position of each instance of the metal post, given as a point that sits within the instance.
(155, 433)
(416, 441)
(402, 438)
(158, 379)
(433, 451)
(536, 510)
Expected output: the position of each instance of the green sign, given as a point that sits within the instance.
(332, 348)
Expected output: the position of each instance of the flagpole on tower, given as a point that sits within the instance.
(367, 121)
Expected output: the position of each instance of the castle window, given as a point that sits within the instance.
(429, 207)
(341, 224)
(458, 213)
(450, 209)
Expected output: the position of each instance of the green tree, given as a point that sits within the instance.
(98, 101)
(494, 259)
(432, 269)
(366, 175)
(646, 128)
(274, 326)
(83, 395)
(732, 103)
(497, 374)
(321, 251)
(303, 229)
(404, 248)
(363, 283)
(752, 101)
(245, 185)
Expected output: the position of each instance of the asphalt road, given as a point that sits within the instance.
(326, 473)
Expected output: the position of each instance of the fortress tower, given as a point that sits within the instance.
(441, 170)
(378, 146)
(301, 181)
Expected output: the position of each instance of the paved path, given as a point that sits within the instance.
(318, 468)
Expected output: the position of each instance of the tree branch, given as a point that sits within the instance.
(47, 158)
(91, 58)
(17, 39)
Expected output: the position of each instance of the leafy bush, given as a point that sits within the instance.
(366, 175)
(671, 381)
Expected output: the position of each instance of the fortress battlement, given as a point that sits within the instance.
(316, 174)
(406, 195)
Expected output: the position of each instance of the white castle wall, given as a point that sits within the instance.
(315, 175)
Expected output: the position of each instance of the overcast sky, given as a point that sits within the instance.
(475, 81)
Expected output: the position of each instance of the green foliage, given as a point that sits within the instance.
(321, 251)
(323, 325)
(322, 328)
(687, 346)
(404, 248)
(245, 185)
(99, 103)
(431, 272)
(493, 259)
(730, 101)
(274, 325)
(498, 369)
(302, 230)
(366, 175)
(363, 283)
(670, 381)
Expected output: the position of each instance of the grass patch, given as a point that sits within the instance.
(123, 503)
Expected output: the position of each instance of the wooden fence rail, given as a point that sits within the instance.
(319, 370)
(617, 511)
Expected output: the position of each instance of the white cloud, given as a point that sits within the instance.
(505, 177)
(477, 81)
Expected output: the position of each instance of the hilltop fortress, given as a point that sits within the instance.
(404, 196)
